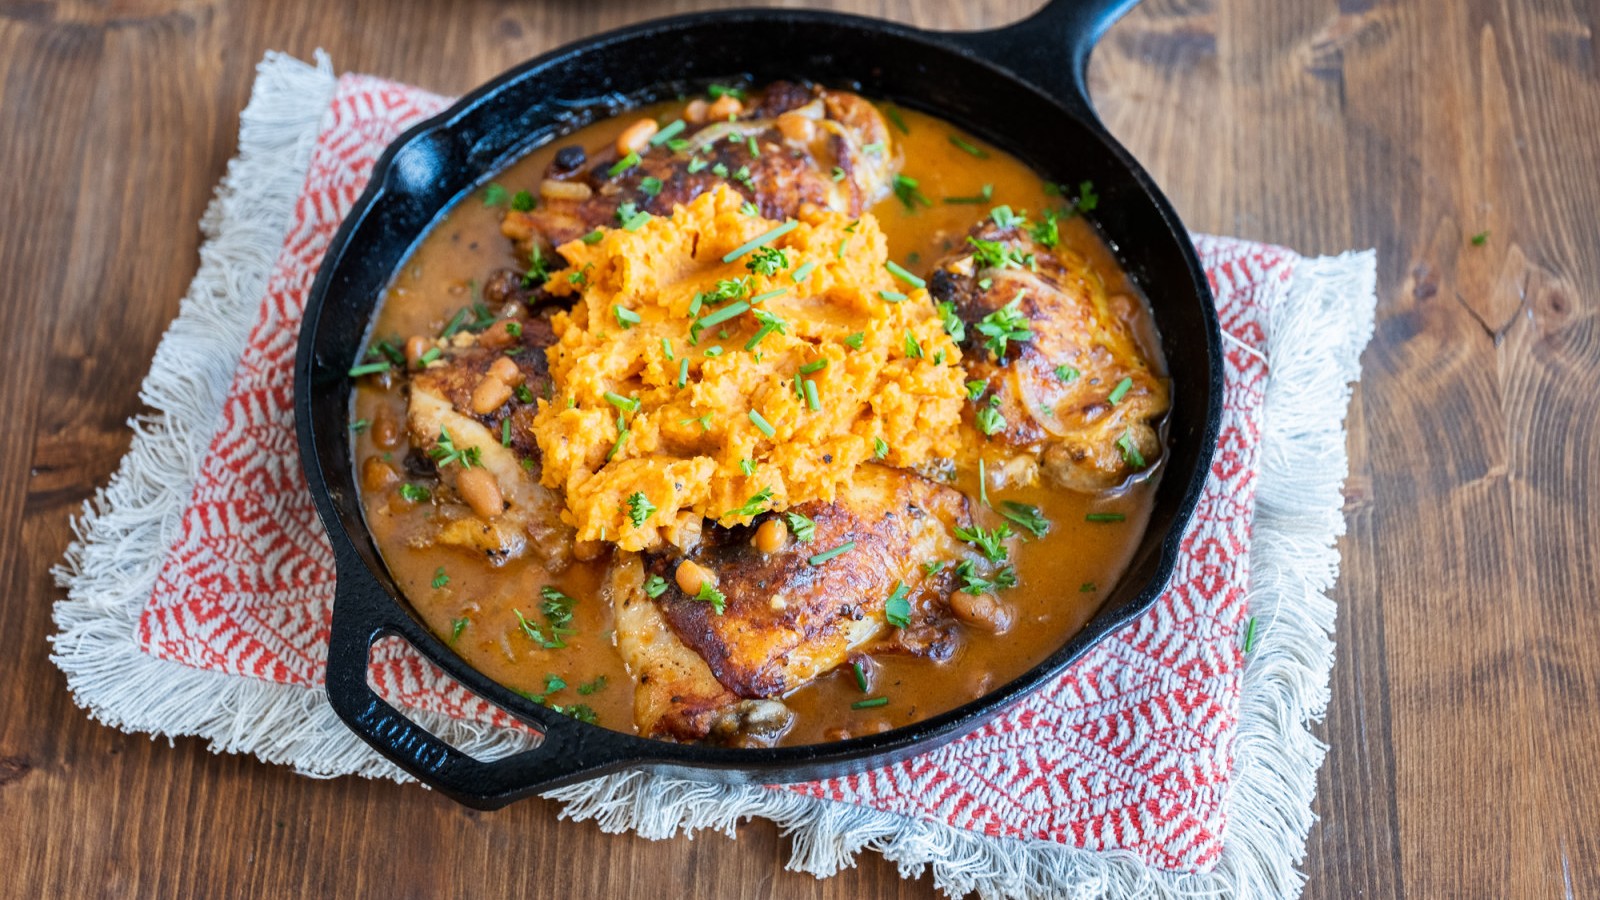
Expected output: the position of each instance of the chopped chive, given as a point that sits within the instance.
(983, 484)
(769, 295)
(811, 396)
(713, 352)
(667, 133)
(869, 704)
(1066, 373)
(838, 174)
(761, 240)
(360, 425)
(717, 90)
(1120, 391)
(855, 341)
(722, 315)
(432, 354)
(623, 164)
(861, 676)
(1250, 635)
(804, 272)
(984, 195)
(839, 253)
(817, 366)
(1478, 240)
(666, 348)
(626, 318)
(755, 152)
(826, 555)
(626, 404)
(505, 432)
(880, 448)
(761, 422)
(892, 296)
(650, 185)
(894, 116)
(1105, 517)
(636, 221)
(683, 372)
(368, 369)
(969, 147)
(593, 237)
(899, 272)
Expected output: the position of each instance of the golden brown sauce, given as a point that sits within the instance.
(1062, 578)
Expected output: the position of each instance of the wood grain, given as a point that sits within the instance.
(1466, 703)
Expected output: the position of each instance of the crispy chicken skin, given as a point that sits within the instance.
(786, 621)
(1053, 389)
(440, 403)
(675, 694)
(828, 148)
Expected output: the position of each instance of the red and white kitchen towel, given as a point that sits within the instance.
(1175, 757)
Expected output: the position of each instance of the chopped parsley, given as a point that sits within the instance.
(989, 420)
(639, 508)
(718, 91)
(1067, 373)
(360, 425)
(414, 493)
(1047, 231)
(1130, 450)
(1478, 240)
(494, 194)
(522, 201)
(1026, 517)
(709, 594)
(1003, 217)
(456, 627)
(1003, 326)
(897, 609)
(756, 505)
(998, 255)
(913, 348)
(767, 261)
(802, 527)
(440, 578)
(591, 687)
(991, 542)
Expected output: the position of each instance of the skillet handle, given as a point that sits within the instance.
(1051, 47)
(570, 751)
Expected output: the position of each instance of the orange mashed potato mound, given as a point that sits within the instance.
(656, 424)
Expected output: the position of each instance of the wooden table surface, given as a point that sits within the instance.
(1465, 721)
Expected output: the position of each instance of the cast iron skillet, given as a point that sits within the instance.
(1021, 87)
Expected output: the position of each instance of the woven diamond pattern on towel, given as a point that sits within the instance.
(1131, 749)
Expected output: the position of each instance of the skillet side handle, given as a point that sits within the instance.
(1051, 47)
(566, 754)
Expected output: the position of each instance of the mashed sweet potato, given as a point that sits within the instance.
(667, 408)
